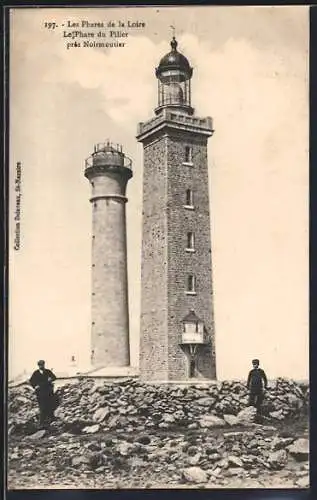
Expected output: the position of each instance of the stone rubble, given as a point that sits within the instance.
(131, 403)
(128, 434)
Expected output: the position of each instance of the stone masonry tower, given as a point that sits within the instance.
(108, 170)
(177, 324)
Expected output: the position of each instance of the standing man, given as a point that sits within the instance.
(42, 381)
(256, 380)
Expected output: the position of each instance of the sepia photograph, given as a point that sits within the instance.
(158, 210)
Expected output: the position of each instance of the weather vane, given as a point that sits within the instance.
(173, 30)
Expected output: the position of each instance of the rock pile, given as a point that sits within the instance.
(88, 406)
(132, 435)
(199, 457)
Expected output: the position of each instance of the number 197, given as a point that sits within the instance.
(50, 26)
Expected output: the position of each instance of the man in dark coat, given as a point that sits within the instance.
(42, 381)
(256, 380)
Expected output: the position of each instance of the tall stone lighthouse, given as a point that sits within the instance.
(109, 170)
(177, 320)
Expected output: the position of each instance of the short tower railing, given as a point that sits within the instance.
(114, 155)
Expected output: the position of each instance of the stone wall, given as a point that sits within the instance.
(154, 342)
(132, 405)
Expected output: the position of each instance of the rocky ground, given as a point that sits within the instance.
(130, 435)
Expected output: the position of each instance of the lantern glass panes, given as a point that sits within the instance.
(173, 89)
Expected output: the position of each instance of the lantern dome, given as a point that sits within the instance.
(174, 60)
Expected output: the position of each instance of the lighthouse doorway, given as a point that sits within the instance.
(192, 368)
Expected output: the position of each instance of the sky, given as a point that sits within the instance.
(251, 76)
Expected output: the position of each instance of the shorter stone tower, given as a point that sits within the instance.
(109, 170)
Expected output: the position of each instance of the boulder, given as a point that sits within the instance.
(38, 435)
(144, 439)
(248, 462)
(208, 421)
(214, 457)
(300, 450)
(168, 418)
(303, 482)
(234, 461)
(195, 475)
(163, 425)
(206, 401)
(277, 415)
(125, 448)
(278, 443)
(101, 414)
(91, 429)
(96, 460)
(79, 460)
(195, 459)
(210, 449)
(94, 446)
(223, 463)
(192, 449)
(277, 459)
(231, 419)
(247, 415)
(193, 425)
(113, 422)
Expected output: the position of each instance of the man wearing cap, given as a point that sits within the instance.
(256, 380)
(42, 381)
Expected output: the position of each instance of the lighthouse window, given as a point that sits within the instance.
(188, 154)
(190, 241)
(191, 283)
(189, 199)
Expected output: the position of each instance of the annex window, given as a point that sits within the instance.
(191, 283)
(190, 241)
(189, 202)
(188, 154)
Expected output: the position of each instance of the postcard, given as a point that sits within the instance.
(158, 247)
